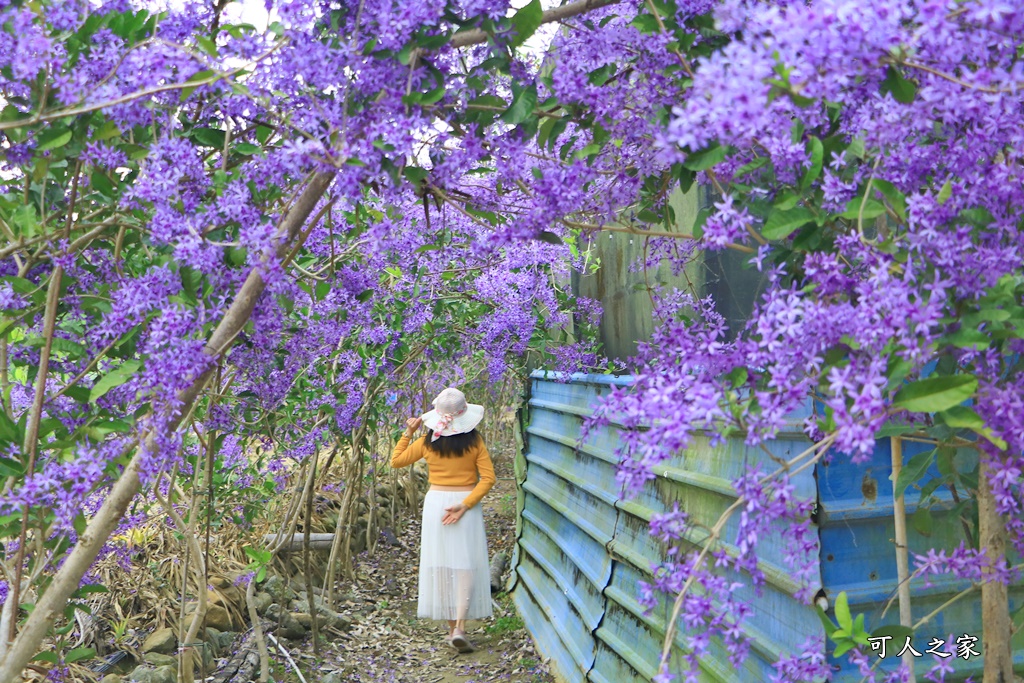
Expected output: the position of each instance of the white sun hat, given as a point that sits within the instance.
(452, 414)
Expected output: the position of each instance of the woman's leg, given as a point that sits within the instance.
(463, 595)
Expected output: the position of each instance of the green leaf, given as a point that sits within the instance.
(816, 150)
(207, 45)
(114, 378)
(897, 199)
(843, 615)
(936, 393)
(902, 90)
(966, 338)
(11, 468)
(50, 657)
(706, 158)
(415, 174)
(961, 417)
(8, 430)
(645, 23)
(830, 628)
(26, 220)
(945, 192)
(871, 208)
(923, 521)
(523, 104)
(247, 148)
(856, 148)
(913, 471)
(549, 237)
(781, 224)
(209, 137)
(433, 42)
(526, 21)
(365, 295)
(859, 634)
(55, 137)
(843, 648)
(78, 654)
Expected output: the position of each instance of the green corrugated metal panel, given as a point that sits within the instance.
(584, 547)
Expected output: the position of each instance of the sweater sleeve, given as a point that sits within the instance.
(405, 453)
(485, 468)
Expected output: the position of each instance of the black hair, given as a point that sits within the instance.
(453, 446)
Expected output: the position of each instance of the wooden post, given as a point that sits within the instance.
(899, 511)
(995, 599)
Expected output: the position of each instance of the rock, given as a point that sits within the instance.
(157, 659)
(498, 565)
(161, 674)
(226, 641)
(291, 628)
(339, 622)
(111, 678)
(334, 677)
(388, 536)
(301, 604)
(285, 624)
(219, 641)
(212, 638)
(216, 617)
(218, 581)
(162, 640)
(359, 543)
(227, 596)
(261, 601)
(278, 589)
(207, 656)
(328, 619)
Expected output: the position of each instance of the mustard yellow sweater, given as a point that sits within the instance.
(452, 471)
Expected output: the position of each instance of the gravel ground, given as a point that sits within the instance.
(388, 643)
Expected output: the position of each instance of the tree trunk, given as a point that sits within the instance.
(89, 544)
(995, 600)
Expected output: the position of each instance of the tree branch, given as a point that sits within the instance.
(67, 579)
(477, 36)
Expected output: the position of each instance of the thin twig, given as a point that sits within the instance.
(288, 657)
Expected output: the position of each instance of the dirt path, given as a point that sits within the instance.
(388, 643)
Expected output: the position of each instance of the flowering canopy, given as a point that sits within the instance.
(305, 213)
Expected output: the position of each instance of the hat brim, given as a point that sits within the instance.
(466, 422)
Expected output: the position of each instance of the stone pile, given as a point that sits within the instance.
(285, 605)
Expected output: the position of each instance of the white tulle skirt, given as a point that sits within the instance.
(454, 573)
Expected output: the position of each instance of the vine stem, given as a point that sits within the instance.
(816, 450)
(307, 523)
(31, 442)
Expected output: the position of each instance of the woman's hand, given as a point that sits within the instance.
(453, 513)
(412, 424)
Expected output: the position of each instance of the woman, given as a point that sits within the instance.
(454, 581)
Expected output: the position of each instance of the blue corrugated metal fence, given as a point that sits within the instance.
(583, 546)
